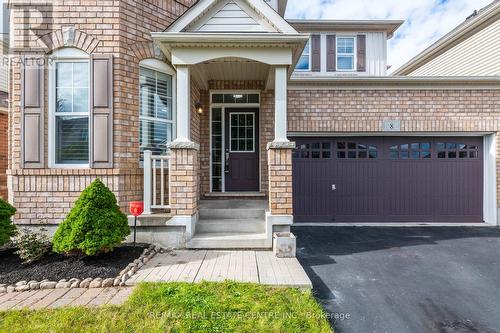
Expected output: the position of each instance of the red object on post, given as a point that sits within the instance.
(136, 208)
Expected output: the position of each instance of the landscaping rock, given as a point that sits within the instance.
(3, 285)
(124, 278)
(11, 289)
(139, 265)
(34, 285)
(116, 282)
(107, 283)
(48, 285)
(96, 283)
(65, 284)
(3, 290)
(157, 248)
(23, 288)
(21, 283)
(62, 280)
(123, 272)
(85, 283)
(75, 283)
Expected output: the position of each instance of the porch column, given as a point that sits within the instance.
(280, 214)
(184, 166)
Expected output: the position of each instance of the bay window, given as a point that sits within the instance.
(156, 112)
(70, 109)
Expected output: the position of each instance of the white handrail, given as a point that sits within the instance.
(151, 163)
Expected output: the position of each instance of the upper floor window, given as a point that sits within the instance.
(155, 105)
(70, 106)
(304, 63)
(345, 53)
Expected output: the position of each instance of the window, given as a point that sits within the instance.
(353, 150)
(345, 53)
(315, 150)
(235, 98)
(414, 151)
(70, 108)
(156, 115)
(242, 132)
(456, 150)
(304, 63)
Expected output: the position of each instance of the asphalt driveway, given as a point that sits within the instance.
(396, 280)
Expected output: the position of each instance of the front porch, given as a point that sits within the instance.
(231, 149)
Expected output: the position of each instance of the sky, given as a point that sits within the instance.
(425, 20)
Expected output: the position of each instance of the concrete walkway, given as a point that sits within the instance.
(55, 298)
(242, 266)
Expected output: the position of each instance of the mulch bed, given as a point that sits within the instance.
(55, 267)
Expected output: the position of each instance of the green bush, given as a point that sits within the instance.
(7, 229)
(95, 225)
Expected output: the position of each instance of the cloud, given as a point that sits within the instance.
(425, 20)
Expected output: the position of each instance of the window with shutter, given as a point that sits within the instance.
(70, 109)
(304, 63)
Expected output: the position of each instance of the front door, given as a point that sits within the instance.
(241, 168)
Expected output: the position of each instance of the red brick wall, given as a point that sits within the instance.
(3, 154)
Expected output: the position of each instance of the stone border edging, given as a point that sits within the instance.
(120, 280)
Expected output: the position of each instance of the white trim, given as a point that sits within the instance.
(490, 211)
(391, 224)
(355, 50)
(280, 104)
(64, 55)
(231, 132)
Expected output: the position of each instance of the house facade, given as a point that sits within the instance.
(231, 122)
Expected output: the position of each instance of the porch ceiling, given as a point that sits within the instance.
(233, 69)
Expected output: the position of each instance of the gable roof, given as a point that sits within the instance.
(472, 25)
(231, 16)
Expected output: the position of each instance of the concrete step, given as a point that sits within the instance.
(232, 214)
(231, 225)
(229, 241)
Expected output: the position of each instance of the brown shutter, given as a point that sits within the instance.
(331, 53)
(316, 53)
(101, 113)
(32, 110)
(361, 45)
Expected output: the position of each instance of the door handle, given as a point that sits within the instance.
(226, 161)
(334, 187)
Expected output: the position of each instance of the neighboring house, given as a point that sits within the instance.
(4, 118)
(471, 49)
(242, 105)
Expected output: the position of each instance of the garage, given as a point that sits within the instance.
(388, 179)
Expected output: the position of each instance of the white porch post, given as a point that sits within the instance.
(183, 104)
(148, 186)
(280, 95)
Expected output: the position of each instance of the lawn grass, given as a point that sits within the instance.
(181, 307)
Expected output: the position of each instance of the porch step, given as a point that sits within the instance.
(231, 225)
(229, 241)
(232, 209)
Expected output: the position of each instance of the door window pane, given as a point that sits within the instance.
(242, 129)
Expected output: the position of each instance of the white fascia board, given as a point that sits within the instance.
(271, 15)
(191, 15)
(196, 55)
(201, 37)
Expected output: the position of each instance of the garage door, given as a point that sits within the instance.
(388, 179)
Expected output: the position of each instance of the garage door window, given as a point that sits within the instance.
(415, 151)
(456, 150)
(356, 150)
(315, 150)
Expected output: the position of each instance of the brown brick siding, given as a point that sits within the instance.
(280, 181)
(184, 181)
(3, 153)
(118, 27)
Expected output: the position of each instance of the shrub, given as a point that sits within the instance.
(31, 246)
(7, 229)
(95, 224)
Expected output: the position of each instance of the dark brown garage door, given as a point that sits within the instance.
(388, 179)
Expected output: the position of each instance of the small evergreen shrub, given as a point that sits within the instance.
(7, 228)
(31, 246)
(95, 225)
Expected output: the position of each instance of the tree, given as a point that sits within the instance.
(7, 228)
